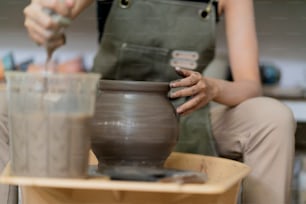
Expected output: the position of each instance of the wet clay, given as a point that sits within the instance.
(49, 144)
(134, 124)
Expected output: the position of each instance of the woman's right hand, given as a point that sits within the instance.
(42, 28)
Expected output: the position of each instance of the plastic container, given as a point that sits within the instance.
(49, 116)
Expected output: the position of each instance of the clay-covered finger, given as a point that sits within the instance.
(61, 7)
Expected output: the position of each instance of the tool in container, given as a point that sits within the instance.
(63, 22)
(50, 48)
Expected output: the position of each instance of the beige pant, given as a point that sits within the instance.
(260, 132)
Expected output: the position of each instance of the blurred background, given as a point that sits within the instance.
(281, 31)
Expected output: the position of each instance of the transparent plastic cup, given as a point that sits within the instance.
(49, 116)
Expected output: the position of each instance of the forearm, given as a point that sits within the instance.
(243, 55)
(232, 93)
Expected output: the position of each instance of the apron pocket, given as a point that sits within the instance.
(143, 63)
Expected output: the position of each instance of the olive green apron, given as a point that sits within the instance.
(139, 39)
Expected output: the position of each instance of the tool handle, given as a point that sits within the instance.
(57, 18)
(62, 21)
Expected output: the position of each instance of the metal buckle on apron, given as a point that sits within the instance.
(182, 54)
(125, 3)
(184, 59)
(184, 63)
(205, 12)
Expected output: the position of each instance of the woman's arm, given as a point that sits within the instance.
(243, 55)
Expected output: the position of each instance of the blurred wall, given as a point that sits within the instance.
(281, 30)
(281, 27)
(81, 35)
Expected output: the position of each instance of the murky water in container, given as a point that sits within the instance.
(49, 125)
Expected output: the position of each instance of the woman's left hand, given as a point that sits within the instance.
(199, 89)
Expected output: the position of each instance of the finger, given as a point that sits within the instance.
(190, 91)
(61, 7)
(192, 79)
(34, 27)
(35, 13)
(182, 72)
(193, 104)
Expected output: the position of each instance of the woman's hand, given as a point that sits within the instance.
(241, 36)
(42, 28)
(199, 89)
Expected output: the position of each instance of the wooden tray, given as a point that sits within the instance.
(224, 179)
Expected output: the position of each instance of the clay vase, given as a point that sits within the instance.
(135, 124)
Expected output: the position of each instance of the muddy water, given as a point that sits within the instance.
(49, 144)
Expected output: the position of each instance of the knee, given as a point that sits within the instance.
(271, 112)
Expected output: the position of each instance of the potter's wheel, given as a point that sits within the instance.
(149, 174)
